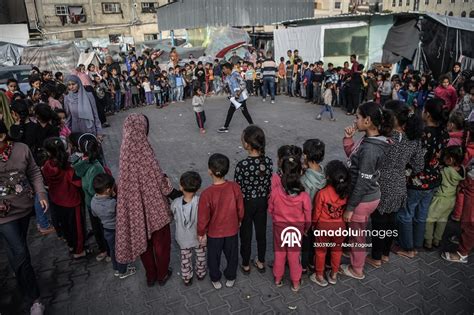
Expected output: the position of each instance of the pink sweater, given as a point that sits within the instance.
(289, 210)
(449, 96)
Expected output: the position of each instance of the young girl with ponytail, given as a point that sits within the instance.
(421, 185)
(253, 174)
(290, 208)
(365, 161)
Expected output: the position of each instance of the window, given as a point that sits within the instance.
(408, 2)
(77, 34)
(394, 3)
(115, 38)
(149, 7)
(151, 36)
(427, 2)
(450, 13)
(471, 14)
(337, 5)
(111, 8)
(438, 1)
(400, 3)
(463, 14)
(61, 10)
(453, 1)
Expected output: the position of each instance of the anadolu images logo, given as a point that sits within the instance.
(290, 237)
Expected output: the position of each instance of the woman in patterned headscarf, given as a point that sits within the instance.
(143, 211)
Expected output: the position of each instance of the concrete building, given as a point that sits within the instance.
(118, 20)
(459, 8)
(331, 7)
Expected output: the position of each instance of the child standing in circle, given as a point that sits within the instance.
(290, 207)
(221, 210)
(253, 174)
(327, 102)
(329, 206)
(365, 161)
(185, 212)
(198, 102)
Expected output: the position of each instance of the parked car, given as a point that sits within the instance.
(20, 73)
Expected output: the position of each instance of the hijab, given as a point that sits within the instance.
(5, 110)
(142, 205)
(83, 100)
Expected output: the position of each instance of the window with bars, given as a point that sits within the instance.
(61, 10)
(111, 8)
(408, 2)
(400, 3)
(438, 1)
(453, 1)
(337, 5)
(427, 2)
(150, 36)
(149, 7)
(394, 3)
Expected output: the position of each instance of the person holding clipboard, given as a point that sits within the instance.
(238, 96)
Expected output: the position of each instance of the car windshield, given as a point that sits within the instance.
(20, 75)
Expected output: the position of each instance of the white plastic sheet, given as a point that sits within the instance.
(307, 39)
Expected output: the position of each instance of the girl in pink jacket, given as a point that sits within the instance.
(290, 208)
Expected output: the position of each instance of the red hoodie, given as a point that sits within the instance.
(329, 208)
(64, 190)
(449, 96)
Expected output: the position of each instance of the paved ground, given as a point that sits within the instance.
(423, 285)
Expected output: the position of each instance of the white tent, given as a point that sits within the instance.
(88, 58)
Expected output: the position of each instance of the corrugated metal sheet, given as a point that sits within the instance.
(200, 13)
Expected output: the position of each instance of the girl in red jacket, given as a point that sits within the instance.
(446, 92)
(329, 205)
(290, 208)
(65, 195)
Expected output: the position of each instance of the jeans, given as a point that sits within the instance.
(217, 84)
(109, 236)
(269, 87)
(215, 247)
(317, 93)
(289, 86)
(231, 111)
(157, 95)
(412, 218)
(41, 217)
(179, 93)
(14, 234)
(98, 231)
(118, 100)
(149, 98)
(281, 85)
(327, 108)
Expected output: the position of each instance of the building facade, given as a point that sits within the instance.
(459, 8)
(118, 20)
(331, 7)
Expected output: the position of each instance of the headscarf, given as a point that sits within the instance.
(84, 101)
(142, 205)
(5, 110)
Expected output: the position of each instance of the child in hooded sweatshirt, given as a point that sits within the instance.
(221, 210)
(313, 180)
(329, 206)
(290, 207)
(103, 206)
(65, 195)
(185, 213)
(444, 198)
(455, 128)
(87, 167)
(365, 161)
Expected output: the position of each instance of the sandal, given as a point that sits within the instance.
(261, 270)
(449, 257)
(345, 270)
(373, 262)
(322, 283)
(296, 289)
(245, 271)
(400, 252)
(279, 284)
(385, 259)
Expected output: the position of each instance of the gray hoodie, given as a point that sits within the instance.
(103, 207)
(313, 182)
(185, 217)
(365, 164)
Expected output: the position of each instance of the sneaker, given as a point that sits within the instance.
(229, 283)
(47, 231)
(80, 255)
(37, 309)
(217, 285)
(116, 273)
(279, 284)
(333, 119)
(223, 129)
(330, 279)
(130, 272)
(264, 100)
(202, 130)
(273, 102)
(318, 117)
(321, 283)
(101, 256)
(108, 259)
(296, 289)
